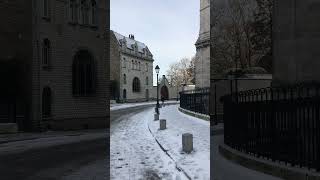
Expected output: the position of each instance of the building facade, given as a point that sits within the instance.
(202, 62)
(296, 42)
(165, 90)
(61, 47)
(134, 82)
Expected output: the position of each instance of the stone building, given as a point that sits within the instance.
(133, 81)
(296, 42)
(54, 63)
(202, 62)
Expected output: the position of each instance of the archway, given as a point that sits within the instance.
(46, 102)
(164, 92)
(124, 94)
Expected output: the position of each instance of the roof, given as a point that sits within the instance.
(130, 42)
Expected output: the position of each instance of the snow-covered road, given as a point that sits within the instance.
(136, 154)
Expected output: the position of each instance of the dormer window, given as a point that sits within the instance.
(93, 13)
(46, 9)
(73, 12)
(84, 15)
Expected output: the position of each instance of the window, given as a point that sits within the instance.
(46, 8)
(136, 65)
(132, 65)
(93, 12)
(83, 74)
(146, 67)
(147, 80)
(84, 17)
(46, 53)
(46, 102)
(136, 85)
(124, 63)
(73, 13)
(124, 79)
(139, 67)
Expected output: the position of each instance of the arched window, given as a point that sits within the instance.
(146, 67)
(136, 65)
(93, 12)
(83, 77)
(73, 13)
(132, 65)
(46, 102)
(84, 12)
(147, 80)
(46, 8)
(124, 79)
(136, 85)
(46, 52)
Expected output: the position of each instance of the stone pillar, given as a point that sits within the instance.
(162, 124)
(187, 142)
(156, 116)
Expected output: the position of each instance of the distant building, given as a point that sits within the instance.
(131, 69)
(202, 62)
(166, 90)
(53, 64)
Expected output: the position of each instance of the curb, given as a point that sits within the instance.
(143, 106)
(194, 114)
(266, 166)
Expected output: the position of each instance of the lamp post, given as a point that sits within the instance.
(157, 71)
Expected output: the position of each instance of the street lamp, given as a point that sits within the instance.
(157, 71)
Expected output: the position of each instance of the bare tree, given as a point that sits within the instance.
(181, 72)
(231, 35)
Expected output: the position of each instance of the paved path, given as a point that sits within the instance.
(223, 169)
(66, 155)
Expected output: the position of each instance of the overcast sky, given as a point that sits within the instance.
(169, 28)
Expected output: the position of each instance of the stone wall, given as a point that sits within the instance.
(66, 39)
(296, 41)
(202, 62)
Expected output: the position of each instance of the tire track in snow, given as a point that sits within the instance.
(166, 152)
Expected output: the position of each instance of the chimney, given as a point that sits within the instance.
(131, 36)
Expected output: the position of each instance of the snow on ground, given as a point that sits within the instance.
(135, 153)
(196, 164)
(128, 105)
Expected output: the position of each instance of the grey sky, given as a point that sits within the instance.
(168, 27)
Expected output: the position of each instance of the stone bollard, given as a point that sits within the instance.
(162, 124)
(156, 116)
(187, 142)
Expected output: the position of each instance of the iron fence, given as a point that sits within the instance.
(195, 100)
(281, 124)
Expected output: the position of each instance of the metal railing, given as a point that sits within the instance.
(195, 100)
(281, 124)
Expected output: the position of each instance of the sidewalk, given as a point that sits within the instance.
(197, 164)
(128, 105)
(21, 142)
